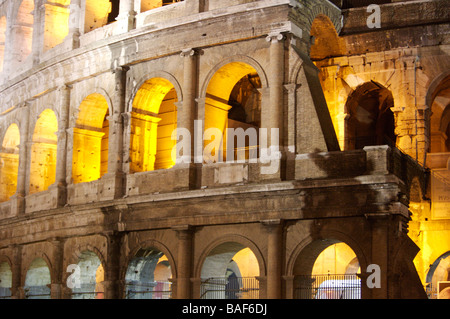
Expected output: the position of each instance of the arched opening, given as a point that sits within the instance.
(371, 121)
(22, 32)
(232, 114)
(91, 273)
(147, 5)
(148, 276)
(43, 152)
(325, 42)
(153, 119)
(440, 118)
(90, 140)
(5, 281)
(327, 269)
(9, 162)
(2, 41)
(230, 271)
(439, 272)
(99, 13)
(56, 23)
(37, 280)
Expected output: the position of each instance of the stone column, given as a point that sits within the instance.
(61, 155)
(290, 133)
(18, 199)
(16, 269)
(57, 285)
(127, 16)
(184, 234)
(274, 230)
(272, 113)
(112, 284)
(76, 24)
(195, 6)
(273, 117)
(380, 251)
(186, 113)
(116, 130)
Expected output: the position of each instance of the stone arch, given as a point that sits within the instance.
(230, 268)
(155, 244)
(5, 277)
(238, 59)
(43, 151)
(233, 100)
(9, 161)
(149, 268)
(326, 8)
(38, 277)
(238, 239)
(153, 117)
(56, 23)
(76, 254)
(371, 120)
(3, 30)
(438, 121)
(306, 279)
(155, 74)
(91, 278)
(91, 138)
(439, 270)
(23, 33)
(305, 253)
(326, 42)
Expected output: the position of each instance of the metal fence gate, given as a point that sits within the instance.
(327, 287)
(229, 288)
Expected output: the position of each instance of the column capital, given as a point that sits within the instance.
(275, 37)
(189, 52)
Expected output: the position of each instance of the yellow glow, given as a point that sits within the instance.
(335, 259)
(90, 140)
(96, 14)
(43, 152)
(56, 23)
(217, 107)
(247, 263)
(99, 278)
(2, 40)
(153, 119)
(9, 162)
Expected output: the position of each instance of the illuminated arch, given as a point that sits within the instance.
(56, 24)
(9, 162)
(310, 260)
(153, 119)
(23, 31)
(327, 43)
(233, 100)
(228, 267)
(96, 14)
(43, 152)
(438, 99)
(90, 140)
(2, 41)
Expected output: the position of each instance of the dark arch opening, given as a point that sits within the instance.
(371, 121)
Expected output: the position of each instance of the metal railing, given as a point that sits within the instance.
(87, 295)
(327, 287)
(151, 290)
(229, 288)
